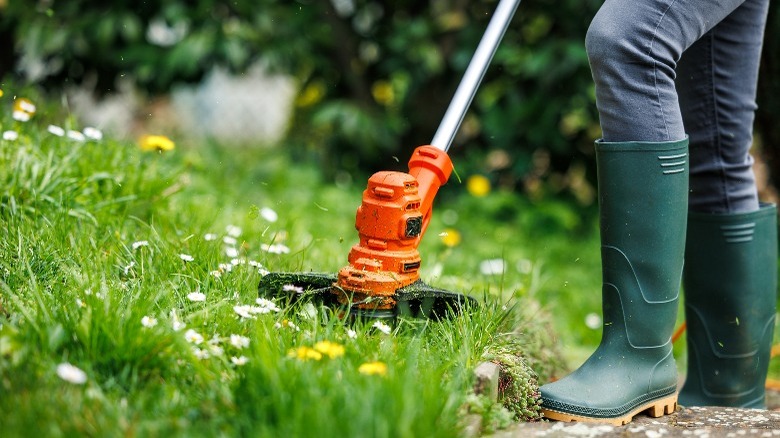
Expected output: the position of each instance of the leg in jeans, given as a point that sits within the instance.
(716, 83)
(634, 47)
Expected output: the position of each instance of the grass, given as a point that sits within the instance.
(103, 246)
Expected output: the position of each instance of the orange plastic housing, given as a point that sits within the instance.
(391, 220)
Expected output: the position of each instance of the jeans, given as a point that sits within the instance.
(667, 68)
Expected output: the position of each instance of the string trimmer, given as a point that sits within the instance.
(382, 279)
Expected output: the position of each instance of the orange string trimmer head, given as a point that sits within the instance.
(383, 275)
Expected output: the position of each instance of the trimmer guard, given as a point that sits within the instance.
(417, 300)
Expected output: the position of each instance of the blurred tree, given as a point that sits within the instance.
(375, 75)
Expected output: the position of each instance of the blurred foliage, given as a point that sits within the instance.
(375, 76)
(768, 92)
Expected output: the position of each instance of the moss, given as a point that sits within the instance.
(518, 386)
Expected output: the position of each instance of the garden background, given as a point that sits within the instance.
(129, 273)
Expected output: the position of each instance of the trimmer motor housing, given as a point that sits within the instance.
(390, 221)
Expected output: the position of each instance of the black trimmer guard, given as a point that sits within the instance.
(418, 300)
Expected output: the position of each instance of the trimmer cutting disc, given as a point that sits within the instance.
(418, 300)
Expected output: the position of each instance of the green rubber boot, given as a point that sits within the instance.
(643, 199)
(730, 285)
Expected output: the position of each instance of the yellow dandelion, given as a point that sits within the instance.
(383, 92)
(450, 237)
(313, 93)
(330, 349)
(304, 354)
(158, 143)
(478, 185)
(373, 368)
(1, 92)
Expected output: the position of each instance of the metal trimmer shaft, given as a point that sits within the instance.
(468, 86)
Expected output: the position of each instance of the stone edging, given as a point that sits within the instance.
(713, 422)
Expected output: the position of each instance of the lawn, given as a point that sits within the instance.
(128, 294)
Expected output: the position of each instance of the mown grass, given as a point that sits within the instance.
(103, 245)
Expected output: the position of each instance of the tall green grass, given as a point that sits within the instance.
(103, 246)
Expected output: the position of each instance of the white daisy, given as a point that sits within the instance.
(267, 304)
(200, 354)
(75, 135)
(243, 311)
(231, 252)
(196, 296)
(382, 327)
(93, 133)
(239, 361)
(10, 135)
(140, 244)
(276, 248)
(27, 106)
(492, 267)
(239, 341)
(56, 130)
(258, 310)
(593, 321)
(268, 214)
(227, 240)
(351, 334)
(186, 257)
(148, 321)
(21, 116)
(177, 325)
(193, 337)
(71, 373)
(209, 237)
(233, 231)
(128, 267)
(292, 288)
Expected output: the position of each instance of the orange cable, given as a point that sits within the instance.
(677, 333)
(772, 384)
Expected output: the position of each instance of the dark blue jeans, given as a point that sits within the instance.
(665, 69)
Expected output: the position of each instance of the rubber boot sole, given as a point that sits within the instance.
(653, 408)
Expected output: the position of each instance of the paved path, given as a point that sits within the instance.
(690, 422)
